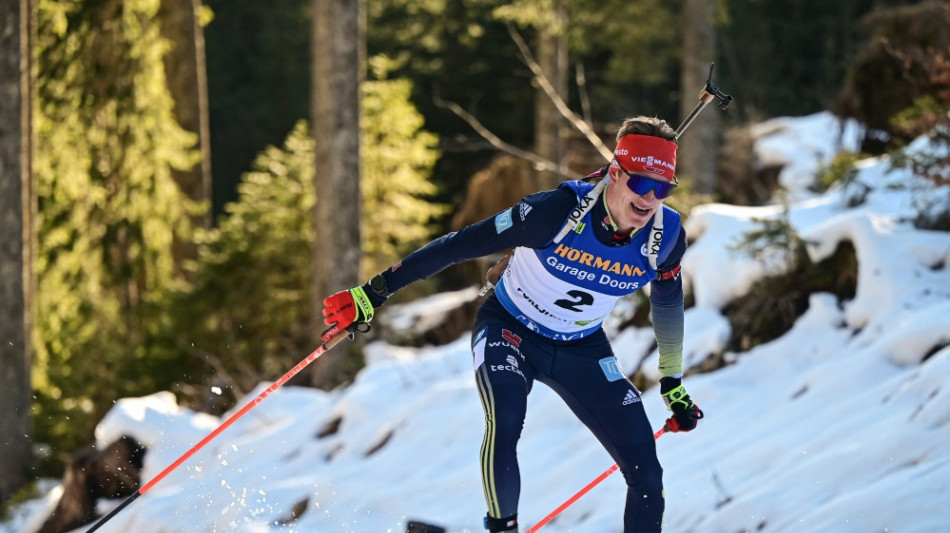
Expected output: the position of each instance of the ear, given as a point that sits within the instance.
(613, 174)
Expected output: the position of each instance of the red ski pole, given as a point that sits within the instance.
(224, 425)
(584, 490)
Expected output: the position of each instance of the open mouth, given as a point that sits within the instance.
(639, 210)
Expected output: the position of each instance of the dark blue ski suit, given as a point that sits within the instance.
(543, 322)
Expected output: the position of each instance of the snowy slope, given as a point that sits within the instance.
(841, 425)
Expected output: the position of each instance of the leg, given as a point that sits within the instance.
(503, 380)
(589, 380)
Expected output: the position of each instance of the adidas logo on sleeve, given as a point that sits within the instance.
(631, 397)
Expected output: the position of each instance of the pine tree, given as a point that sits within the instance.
(246, 317)
(107, 205)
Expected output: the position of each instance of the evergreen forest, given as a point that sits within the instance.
(171, 207)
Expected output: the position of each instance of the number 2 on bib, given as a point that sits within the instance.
(579, 298)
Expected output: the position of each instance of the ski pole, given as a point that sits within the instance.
(708, 94)
(585, 490)
(350, 332)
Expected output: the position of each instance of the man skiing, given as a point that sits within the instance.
(544, 320)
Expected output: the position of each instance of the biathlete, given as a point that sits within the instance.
(544, 320)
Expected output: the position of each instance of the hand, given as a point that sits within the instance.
(345, 308)
(686, 414)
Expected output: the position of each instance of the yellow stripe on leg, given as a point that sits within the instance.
(488, 443)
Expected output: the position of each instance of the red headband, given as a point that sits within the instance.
(647, 155)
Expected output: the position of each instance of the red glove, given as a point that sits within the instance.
(345, 308)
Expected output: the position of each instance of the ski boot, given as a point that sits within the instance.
(502, 525)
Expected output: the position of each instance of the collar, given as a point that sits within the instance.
(610, 218)
(617, 236)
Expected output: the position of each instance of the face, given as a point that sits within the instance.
(629, 209)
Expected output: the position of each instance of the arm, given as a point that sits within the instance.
(532, 222)
(666, 300)
(666, 303)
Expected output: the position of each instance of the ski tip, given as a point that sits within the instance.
(416, 526)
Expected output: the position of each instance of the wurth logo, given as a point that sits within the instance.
(506, 345)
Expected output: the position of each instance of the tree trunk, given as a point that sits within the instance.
(338, 54)
(696, 156)
(186, 79)
(549, 125)
(16, 243)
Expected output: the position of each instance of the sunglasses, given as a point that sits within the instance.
(642, 185)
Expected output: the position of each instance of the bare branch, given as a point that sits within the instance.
(579, 124)
(581, 79)
(539, 162)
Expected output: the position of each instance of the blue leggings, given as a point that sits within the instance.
(585, 374)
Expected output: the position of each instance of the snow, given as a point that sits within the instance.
(792, 143)
(840, 425)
